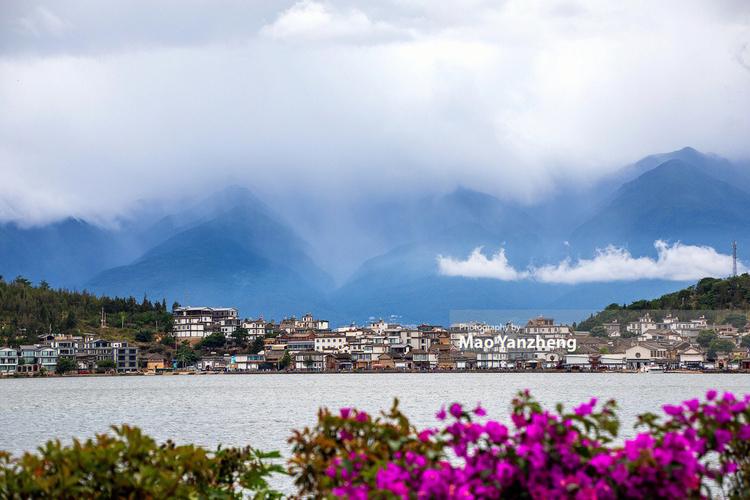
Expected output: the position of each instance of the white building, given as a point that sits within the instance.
(199, 322)
(256, 328)
(545, 327)
(331, 343)
(643, 324)
(308, 322)
(8, 360)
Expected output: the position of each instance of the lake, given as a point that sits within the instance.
(261, 410)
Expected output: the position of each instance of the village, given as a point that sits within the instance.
(308, 344)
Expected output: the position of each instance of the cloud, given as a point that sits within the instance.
(676, 262)
(108, 103)
(479, 266)
(41, 22)
(309, 21)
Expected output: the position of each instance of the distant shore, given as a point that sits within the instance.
(370, 372)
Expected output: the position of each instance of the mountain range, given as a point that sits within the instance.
(231, 248)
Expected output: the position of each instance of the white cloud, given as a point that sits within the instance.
(42, 21)
(479, 266)
(676, 262)
(113, 103)
(309, 20)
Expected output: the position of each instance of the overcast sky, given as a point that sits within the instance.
(105, 103)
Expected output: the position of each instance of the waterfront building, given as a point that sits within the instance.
(247, 362)
(309, 361)
(8, 360)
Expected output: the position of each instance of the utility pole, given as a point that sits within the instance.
(103, 319)
(734, 259)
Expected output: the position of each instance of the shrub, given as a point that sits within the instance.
(129, 464)
(544, 455)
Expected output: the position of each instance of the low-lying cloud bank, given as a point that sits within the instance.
(676, 262)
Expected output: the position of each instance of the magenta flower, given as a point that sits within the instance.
(441, 414)
(362, 416)
(479, 411)
(456, 410)
(672, 410)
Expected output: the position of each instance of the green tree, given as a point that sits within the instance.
(737, 320)
(65, 365)
(105, 364)
(285, 361)
(239, 336)
(168, 340)
(745, 342)
(214, 341)
(705, 337)
(70, 321)
(257, 346)
(598, 331)
(186, 355)
(144, 336)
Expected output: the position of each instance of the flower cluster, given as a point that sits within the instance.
(543, 454)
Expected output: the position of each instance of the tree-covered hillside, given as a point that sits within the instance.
(709, 294)
(27, 311)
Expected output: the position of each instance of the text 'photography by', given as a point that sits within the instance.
(356, 249)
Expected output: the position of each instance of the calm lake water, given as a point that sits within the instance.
(261, 410)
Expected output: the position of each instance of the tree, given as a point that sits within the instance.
(737, 320)
(258, 345)
(105, 364)
(186, 355)
(721, 345)
(168, 340)
(65, 365)
(285, 361)
(705, 337)
(598, 331)
(745, 342)
(144, 336)
(70, 321)
(214, 341)
(239, 336)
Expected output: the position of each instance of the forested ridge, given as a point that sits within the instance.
(713, 297)
(27, 311)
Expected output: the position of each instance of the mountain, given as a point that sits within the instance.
(233, 249)
(405, 281)
(64, 253)
(673, 201)
(237, 252)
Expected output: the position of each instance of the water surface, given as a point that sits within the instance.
(261, 410)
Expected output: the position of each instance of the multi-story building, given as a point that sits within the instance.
(200, 322)
(256, 328)
(310, 361)
(125, 358)
(545, 326)
(334, 342)
(8, 360)
(308, 322)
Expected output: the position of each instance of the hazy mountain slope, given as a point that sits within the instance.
(242, 257)
(404, 281)
(64, 253)
(674, 201)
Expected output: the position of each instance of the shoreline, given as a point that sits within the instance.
(370, 372)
